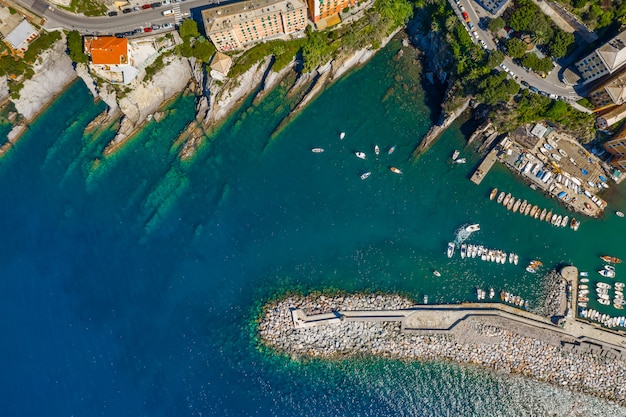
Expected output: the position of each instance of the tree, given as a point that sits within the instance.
(579, 4)
(203, 50)
(524, 18)
(75, 47)
(496, 24)
(495, 58)
(560, 43)
(315, 50)
(398, 11)
(516, 48)
(188, 29)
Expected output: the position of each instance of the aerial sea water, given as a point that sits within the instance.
(128, 284)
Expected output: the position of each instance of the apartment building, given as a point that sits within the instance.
(322, 9)
(238, 25)
(603, 61)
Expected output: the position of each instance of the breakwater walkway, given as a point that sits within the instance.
(579, 355)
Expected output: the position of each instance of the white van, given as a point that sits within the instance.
(169, 12)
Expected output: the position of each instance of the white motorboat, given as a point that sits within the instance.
(564, 221)
(584, 280)
(436, 273)
(360, 155)
(450, 249)
(492, 292)
(500, 197)
(391, 150)
(474, 251)
(317, 150)
(480, 251)
(603, 285)
(516, 259)
(455, 154)
(606, 273)
(619, 213)
(609, 267)
(342, 135)
(472, 228)
(531, 270)
(604, 302)
(583, 286)
(395, 170)
(511, 257)
(460, 161)
(425, 299)
(376, 150)
(365, 175)
(463, 250)
(584, 274)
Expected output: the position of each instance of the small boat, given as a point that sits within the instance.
(516, 259)
(618, 306)
(516, 206)
(391, 150)
(583, 287)
(564, 221)
(317, 150)
(533, 210)
(542, 216)
(455, 154)
(395, 170)
(549, 216)
(360, 155)
(537, 213)
(609, 268)
(492, 293)
(460, 161)
(500, 197)
(365, 175)
(511, 257)
(558, 220)
(603, 285)
(604, 302)
(511, 203)
(425, 299)
(522, 207)
(528, 209)
(606, 273)
(611, 259)
(531, 270)
(342, 135)
(619, 213)
(493, 194)
(506, 199)
(376, 150)
(436, 273)
(472, 228)
(584, 280)
(463, 250)
(450, 249)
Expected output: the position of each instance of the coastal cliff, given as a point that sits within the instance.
(384, 325)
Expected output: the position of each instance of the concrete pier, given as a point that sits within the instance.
(484, 167)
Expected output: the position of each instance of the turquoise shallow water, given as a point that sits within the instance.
(127, 286)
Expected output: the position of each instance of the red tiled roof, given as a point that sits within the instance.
(109, 50)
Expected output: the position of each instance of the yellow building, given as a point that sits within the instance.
(321, 9)
(617, 147)
(237, 25)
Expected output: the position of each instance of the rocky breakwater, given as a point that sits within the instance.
(145, 97)
(476, 342)
(53, 71)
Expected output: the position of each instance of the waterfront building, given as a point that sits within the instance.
(327, 10)
(604, 60)
(16, 32)
(110, 58)
(612, 116)
(611, 92)
(238, 25)
(617, 148)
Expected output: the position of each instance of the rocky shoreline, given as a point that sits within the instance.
(494, 347)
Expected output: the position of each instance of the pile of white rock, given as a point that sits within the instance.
(498, 348)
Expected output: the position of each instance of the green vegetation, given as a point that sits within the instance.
(43, 42)
(560, 43)
(20, 68)
(153, 68)
(87, 7)
(193, 44)
(496, 88)
(283, 52)
(539, 65)
(316, 50)
(496, 24)
(75, 47)
(530, 108)
(516, 47)
(597, 14)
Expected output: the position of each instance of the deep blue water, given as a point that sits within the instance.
(128, 283)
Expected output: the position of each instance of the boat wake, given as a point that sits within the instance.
(462, 234)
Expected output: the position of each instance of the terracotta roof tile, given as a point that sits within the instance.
(109, 50)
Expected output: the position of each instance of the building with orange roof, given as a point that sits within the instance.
(107, 50)
(327, 9)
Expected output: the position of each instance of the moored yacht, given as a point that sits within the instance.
(500, 197)
(606, 273)
(543, 214)
(516, 259)
(528, 209)
(511, 203)
(455, 154)
(376, 150)
(533, 210)
(492, 292)
(516, 206)
(463, 250)
(564, 221)
(493, 193)
(506, 199)
(522, 207)
(450, 249)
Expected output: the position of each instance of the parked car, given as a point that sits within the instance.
(533, 89)
(470, 25)
(146, 6)
(525, 84)
(466, 17)
(112, 14)
(167, 26)
(146, 30)
(127, 10)
(154, 5)
(156, 27)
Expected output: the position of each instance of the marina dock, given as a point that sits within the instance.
(484, 167)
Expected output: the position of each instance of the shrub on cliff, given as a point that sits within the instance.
(75, 47)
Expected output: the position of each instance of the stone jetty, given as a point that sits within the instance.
(577, 355)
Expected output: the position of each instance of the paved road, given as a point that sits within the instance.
(551, 84)
(60, 19)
